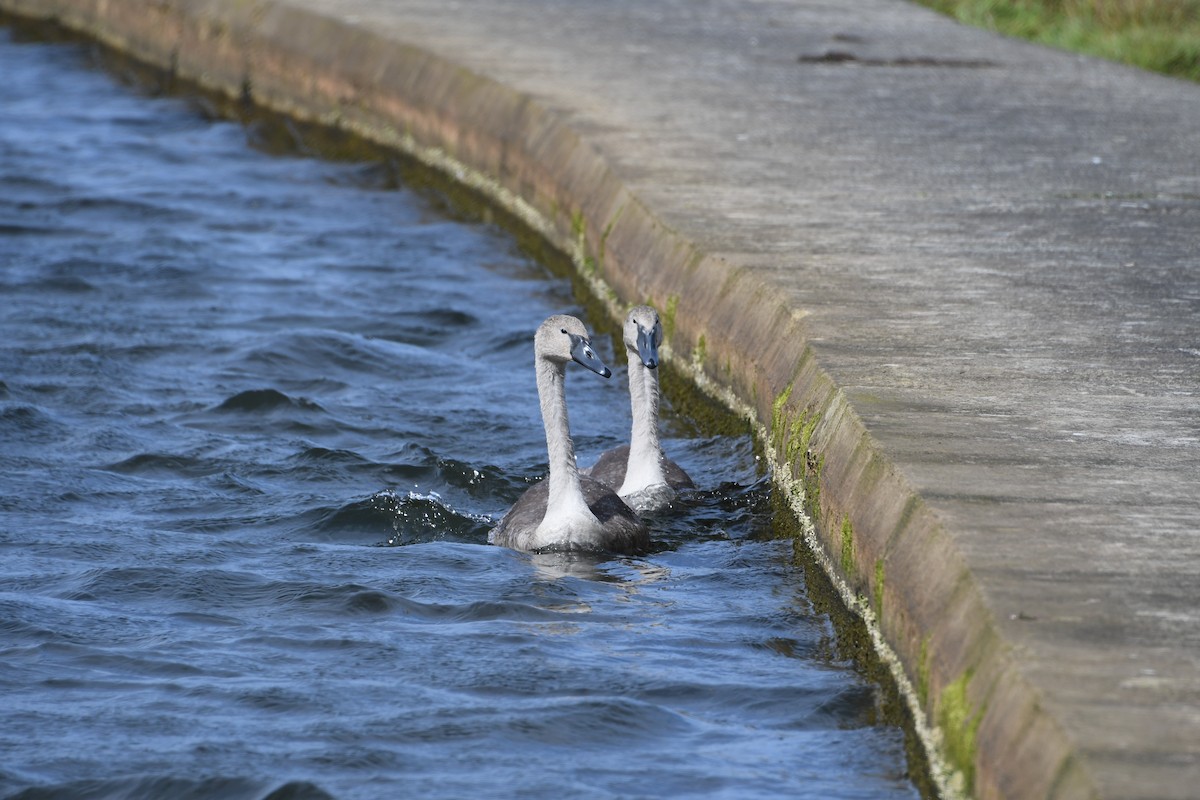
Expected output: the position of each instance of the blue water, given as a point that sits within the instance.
(257, 414)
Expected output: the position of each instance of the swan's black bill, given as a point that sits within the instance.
(582, 353)
(647, 342)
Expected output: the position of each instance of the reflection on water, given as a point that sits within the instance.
(230, 380)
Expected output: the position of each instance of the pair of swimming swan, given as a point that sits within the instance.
(596, 509)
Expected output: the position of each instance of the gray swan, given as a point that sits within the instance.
(567, 511)
(640, 473)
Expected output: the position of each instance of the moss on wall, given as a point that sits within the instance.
(959, 722)
(877, 594)
(847, 549)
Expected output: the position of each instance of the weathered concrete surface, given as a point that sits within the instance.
(956, 275)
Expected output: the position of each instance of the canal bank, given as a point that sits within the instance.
(954, 277)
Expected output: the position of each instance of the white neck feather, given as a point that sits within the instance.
(567, 512)
(645, 467)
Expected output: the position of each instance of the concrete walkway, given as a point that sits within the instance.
(957, 277)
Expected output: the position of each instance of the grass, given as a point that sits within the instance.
(1157, 35)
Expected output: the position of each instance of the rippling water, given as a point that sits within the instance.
(228, 382)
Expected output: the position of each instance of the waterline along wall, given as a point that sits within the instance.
(883, 545)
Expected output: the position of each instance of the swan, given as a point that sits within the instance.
(640, 473)
(567, 511)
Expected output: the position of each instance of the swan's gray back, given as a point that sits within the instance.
(610, 468)
(622, 532)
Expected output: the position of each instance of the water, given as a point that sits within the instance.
(257, 414)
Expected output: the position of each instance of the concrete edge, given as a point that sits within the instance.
(892, 560)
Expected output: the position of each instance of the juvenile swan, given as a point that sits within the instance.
(567, 511)
(644, 478)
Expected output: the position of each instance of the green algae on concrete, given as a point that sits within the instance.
(669, 311)
(923, 672)
(847, 562)
(959, 723)
(792, 434)
(700, 351)
(877, 592)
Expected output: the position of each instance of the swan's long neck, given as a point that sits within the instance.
(645, 453)
(565, 500)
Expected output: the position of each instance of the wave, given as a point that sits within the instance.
(427, 327)
(30, 424)
(418, 518)
(8, 229)
(391, 519)
(356, 521)
(356, 599)
(151, 465)
(728, 510)
(149, 787)
(600, 721)
(258, 400)
(123, 207)
(334, 353)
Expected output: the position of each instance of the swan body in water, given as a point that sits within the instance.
(641, 474)
(567, 511)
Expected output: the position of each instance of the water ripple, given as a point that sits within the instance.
(259, 400)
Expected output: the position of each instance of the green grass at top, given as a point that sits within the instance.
(1158, 35)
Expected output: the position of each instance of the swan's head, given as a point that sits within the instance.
(643, 334)
(563, 338)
